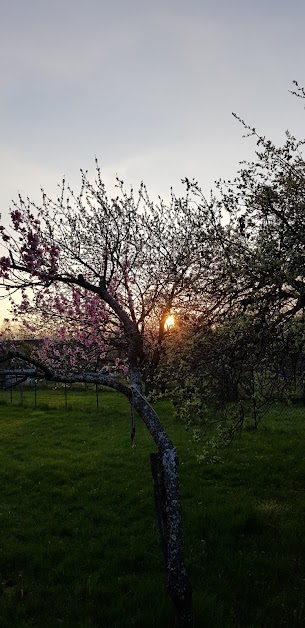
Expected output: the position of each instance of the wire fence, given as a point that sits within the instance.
(40, 394)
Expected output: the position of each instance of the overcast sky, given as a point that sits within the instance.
(147, 87)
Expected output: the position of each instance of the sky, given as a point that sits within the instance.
(147, 87)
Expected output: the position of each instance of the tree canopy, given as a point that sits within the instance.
(101, 276)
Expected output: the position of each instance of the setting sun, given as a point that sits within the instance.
(169, 323)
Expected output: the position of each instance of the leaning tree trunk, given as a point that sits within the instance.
(165, 475)
(164, 467)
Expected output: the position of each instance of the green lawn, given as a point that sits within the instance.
(79, 540)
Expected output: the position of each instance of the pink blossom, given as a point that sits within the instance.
(5, 263)
(16, 218)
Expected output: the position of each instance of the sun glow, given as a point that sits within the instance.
(169, 323)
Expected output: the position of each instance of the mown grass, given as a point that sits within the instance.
(79, 539)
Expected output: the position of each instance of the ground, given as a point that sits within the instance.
(79, 538)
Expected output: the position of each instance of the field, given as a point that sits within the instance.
(79, 538)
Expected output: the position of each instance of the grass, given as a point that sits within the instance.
(79, 540)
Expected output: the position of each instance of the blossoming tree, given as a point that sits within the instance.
(107, 272)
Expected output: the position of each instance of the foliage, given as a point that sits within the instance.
(128, 260)
(223, 378)
(102, 275)
(106, 273)
(250, 348)
(112, 269)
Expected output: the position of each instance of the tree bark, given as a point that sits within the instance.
(167, 496)
(178, 585)
(160, 499)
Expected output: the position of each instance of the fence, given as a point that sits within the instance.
(44, 395)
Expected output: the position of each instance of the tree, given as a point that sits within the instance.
(257, 285)
(262, 245)
(223, 377)
(110, 271)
